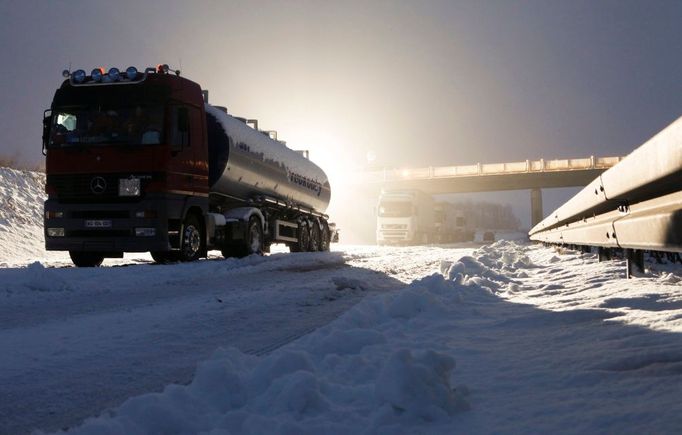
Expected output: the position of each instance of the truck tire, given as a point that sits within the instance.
(315, 242)
(191, 239)
(325, 238)
(253, 239)
(303, 238)
(86, 259)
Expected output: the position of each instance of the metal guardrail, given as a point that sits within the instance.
(636, 205)
(528, 166)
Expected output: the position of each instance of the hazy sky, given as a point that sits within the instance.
(417, 83)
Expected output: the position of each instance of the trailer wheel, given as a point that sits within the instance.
(190, 243)
(303, 238)
(315, 243)
(253, 242)
(86, 259)
(325, 237)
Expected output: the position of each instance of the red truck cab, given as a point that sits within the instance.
(127, 166)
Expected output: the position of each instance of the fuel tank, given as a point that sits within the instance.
(245, 163)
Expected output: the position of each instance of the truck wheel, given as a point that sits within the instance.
(86, 259)
(315, 243)
(303, 238)
(325, 237)
(190, 243)
(253, 242)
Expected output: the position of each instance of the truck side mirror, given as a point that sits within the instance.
(47, 123)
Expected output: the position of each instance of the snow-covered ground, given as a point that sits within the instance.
(505, 338)
(83, 340)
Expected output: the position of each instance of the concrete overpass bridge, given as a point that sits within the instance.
(490, 177)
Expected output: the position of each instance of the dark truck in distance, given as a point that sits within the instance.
(139, 161)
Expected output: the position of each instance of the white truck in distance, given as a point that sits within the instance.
(451, 224)
(405, 217)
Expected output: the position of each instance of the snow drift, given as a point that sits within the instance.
(368, 371)
(452, 352)
(22, 194)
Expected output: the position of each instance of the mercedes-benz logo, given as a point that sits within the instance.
(98, 185)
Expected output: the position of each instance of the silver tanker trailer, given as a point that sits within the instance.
(253, 175)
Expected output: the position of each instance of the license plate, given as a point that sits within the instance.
(98, 223)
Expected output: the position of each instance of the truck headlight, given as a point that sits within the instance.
(55, 232)
(54, 214)
(129, 187)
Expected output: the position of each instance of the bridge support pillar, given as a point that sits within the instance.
(536, 214)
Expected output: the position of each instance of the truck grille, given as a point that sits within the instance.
(100, 214)
(91, 187)
(394, 233)
(394, 226)
(99, 233)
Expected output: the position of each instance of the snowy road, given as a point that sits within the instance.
(83, 340)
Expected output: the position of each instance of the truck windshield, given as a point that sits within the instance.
(395, 209)
(85, 126)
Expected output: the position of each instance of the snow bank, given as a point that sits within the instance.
(22, 194)
(552, 363)
(370, 371)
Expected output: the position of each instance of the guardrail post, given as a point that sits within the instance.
(604, 254)
(536, 212)
(634, 261)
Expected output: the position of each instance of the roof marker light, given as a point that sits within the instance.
(96, 74)
(131, 73)
(66, 73)
(78, 76)
(114, 74)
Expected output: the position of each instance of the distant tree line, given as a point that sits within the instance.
(489, 215)
(14, 162)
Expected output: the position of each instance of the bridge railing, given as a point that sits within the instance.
(635, 205)
(541, 165)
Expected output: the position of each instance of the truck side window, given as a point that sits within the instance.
(180, 128)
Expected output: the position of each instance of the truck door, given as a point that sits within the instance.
(181, 172)
(197, 129)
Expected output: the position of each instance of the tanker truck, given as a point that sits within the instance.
(139, 161)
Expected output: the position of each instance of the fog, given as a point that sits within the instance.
(408, 83)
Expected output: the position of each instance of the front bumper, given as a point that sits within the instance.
(119, 233)
(394, 236)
